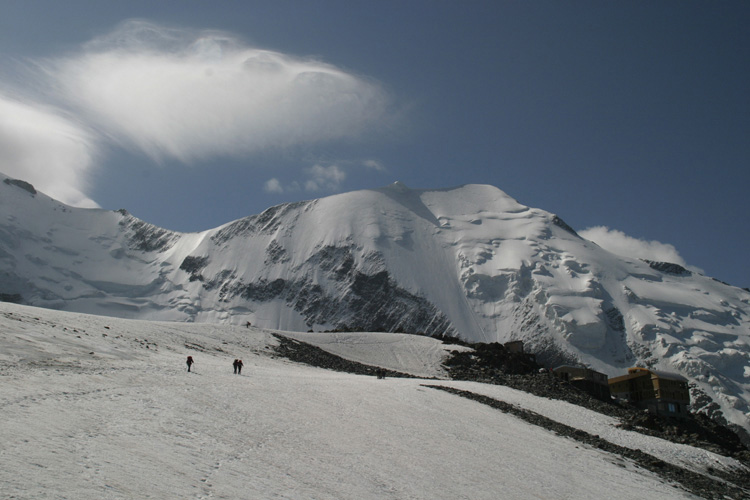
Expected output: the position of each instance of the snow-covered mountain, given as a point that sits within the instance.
(470, 262)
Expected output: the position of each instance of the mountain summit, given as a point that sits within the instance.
(470, 262)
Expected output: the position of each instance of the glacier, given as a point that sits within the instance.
(470, 262)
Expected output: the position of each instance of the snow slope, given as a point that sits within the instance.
(469, 261)
(96, 407)
(416, 355)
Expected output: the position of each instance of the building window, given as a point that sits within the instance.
(672, 408)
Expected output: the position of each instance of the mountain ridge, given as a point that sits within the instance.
(469, 261)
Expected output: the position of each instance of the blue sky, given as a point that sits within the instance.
(632, 116)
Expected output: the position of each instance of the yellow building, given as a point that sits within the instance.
(659, 392)
(586, 379)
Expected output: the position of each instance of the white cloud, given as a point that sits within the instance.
(374, 165)
(620, 243)
(195, 94)
(318, 178)
(184, 94)
(39, 145)
(324, 178)
(273, 186)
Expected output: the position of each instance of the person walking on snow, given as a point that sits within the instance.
(190, 362)
(239, 367)
(236, 362)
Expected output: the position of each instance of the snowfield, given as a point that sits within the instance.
(413, 354)
(102, 408)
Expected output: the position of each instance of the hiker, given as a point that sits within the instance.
(239, 367)
(235, 364)
(248, 325)
(190, 362)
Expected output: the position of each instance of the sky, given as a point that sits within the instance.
(630, 120)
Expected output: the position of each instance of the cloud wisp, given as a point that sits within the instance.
(621, 244)
(319, 178)
(189, 94)
(273, 185)
(40, 145)
(323, 176)
(374, 165)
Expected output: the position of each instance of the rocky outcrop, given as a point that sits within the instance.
(21, 184)
(193, 265)
(669, 268)
(146, 237)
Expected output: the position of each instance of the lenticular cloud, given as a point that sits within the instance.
(176, 93)
(41, 146)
